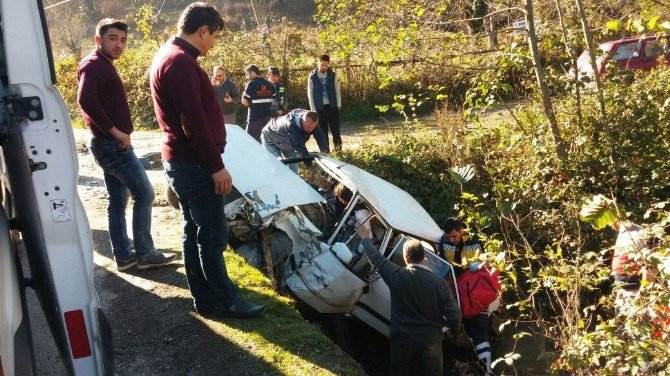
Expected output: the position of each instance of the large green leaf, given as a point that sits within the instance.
(601, 211)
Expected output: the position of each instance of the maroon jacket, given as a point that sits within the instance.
(186, 107)
(102, 97)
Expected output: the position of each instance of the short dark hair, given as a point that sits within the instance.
(312, 115)
(108, 23)
(452, 224)
(252, 68)
(413, 249)
(324, 57)
(274, 70)
(343, 192)
(197, 15)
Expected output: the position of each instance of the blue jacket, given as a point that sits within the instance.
(286, 134)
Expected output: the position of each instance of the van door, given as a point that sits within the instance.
(40, 173)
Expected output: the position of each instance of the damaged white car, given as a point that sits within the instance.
(278, 219)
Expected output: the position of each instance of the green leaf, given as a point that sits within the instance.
(651, 24)
(462, 174)
(613, 25)
(601, 212)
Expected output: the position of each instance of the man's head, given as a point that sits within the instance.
(324, 62)
(309, 121)
(200, 24)
(343, 193)
(413, 252)
(219, 74)
(453, 228)
(110, 37)
(251, 71)
(273, 74)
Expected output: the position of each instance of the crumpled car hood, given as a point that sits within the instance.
(264, 181)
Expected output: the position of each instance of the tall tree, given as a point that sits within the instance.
(573, 62)
(541, 82)
(594, 65)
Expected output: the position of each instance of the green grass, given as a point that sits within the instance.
(281, 338)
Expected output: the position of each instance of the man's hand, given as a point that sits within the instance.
(124, 139)
(223, 183)
(362, 231)
(228, 98)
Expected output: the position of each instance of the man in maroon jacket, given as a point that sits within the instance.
(105, 111)
(194, 138)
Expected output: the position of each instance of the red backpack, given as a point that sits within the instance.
(477, 290)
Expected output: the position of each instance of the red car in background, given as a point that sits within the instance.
(640, 52)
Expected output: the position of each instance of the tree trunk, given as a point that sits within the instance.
(594, 66)
(490, 27)
(573, 58)
(542, 85)
(476, 9)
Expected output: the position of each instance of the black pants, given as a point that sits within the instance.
(255, 127)
(415, 359)
(329, 117)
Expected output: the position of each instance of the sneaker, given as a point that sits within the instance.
(155, 260)
(128, 263)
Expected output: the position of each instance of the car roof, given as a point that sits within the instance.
(632, 39)
(398, 208)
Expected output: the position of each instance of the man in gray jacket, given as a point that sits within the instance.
(421, 305)
(226, 94)
(285, 136)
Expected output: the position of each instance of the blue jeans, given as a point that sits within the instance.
(124, 175)
(205, 235)
(279, 153)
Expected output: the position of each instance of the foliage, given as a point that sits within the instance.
(555, 268)
(601, 212)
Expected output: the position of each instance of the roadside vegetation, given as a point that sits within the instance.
(521, 182)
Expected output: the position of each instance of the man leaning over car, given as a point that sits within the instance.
(421, 302)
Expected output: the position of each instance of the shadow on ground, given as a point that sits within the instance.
(155, 331)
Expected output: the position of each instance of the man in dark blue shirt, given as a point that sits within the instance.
(285, 136)
(257, 96)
